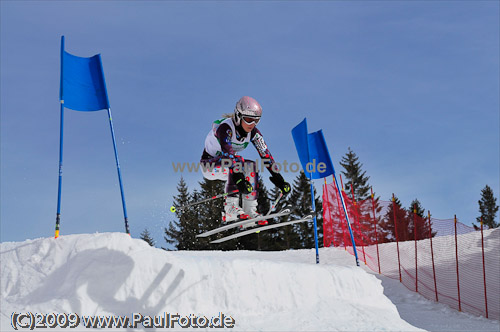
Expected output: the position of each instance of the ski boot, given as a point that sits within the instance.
(232, 210)
(250, 208)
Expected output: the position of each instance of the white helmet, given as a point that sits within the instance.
(247, 108)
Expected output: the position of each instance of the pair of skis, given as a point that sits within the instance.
(269, 215)
(262, 228)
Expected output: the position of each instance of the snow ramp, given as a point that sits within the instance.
(112, 274)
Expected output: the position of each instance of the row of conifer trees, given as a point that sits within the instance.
(181, 232)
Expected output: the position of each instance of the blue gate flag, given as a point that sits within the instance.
(318, 151)
(313, 152)
(316, 162)
(83, 87)
(299, 134)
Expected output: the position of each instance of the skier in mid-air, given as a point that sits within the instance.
(228, 137)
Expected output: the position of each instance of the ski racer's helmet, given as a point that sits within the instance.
(247, 109)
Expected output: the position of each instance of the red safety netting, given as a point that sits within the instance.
(444, 260)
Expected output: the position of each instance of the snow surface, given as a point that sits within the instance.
(113, 274)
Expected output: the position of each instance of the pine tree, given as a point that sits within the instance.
(146, 236)
(387, 228)
(300, 199)
(355, 177)
(359, 191)
(416, 205)
(377, 218)
(488, 208)
(181, 232)
(361, 215)
(280, 238)
(422, 224)
(415, 220)
(173, 233)
(209, 215)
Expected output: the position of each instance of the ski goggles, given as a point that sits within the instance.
(250, 120)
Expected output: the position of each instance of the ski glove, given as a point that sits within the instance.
(279, 182)
(243, 185)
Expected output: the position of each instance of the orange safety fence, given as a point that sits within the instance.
(444, 260)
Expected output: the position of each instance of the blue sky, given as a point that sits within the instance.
(411, 86)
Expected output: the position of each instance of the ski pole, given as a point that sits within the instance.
(274, 204)
(272, 207)
(173, 208)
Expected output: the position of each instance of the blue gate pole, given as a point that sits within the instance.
(59, 186)
(347, 219)
(61, 127)
(315, 223)
(119, 172)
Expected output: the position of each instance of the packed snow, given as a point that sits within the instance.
(112, 274)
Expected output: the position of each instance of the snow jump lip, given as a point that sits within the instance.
(114, 274)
